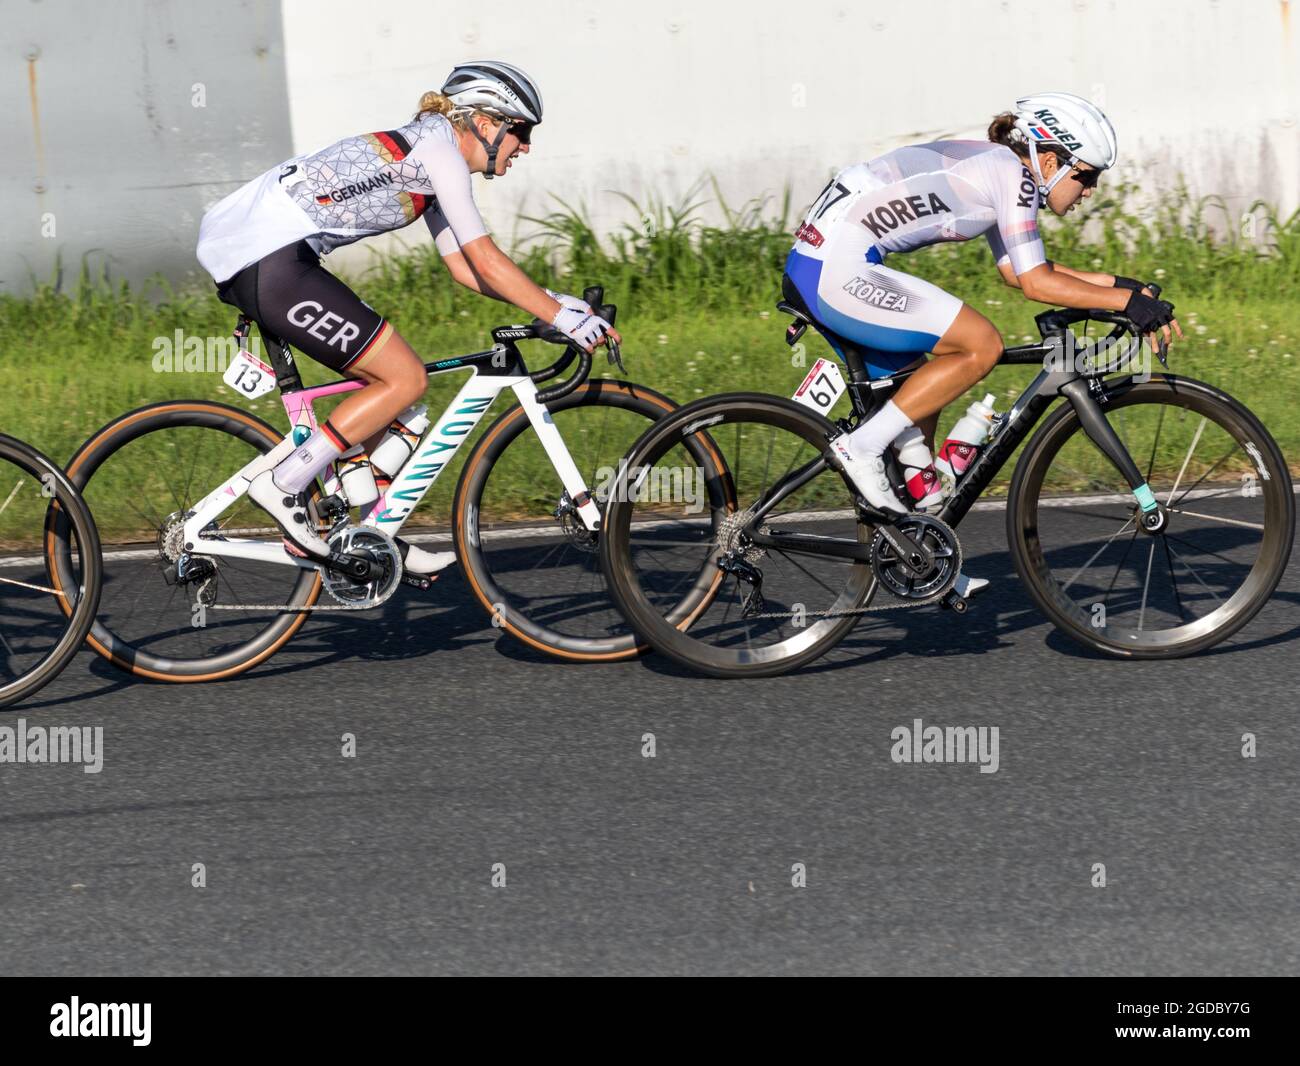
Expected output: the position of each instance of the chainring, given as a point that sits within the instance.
(942, 542)
(377, 546)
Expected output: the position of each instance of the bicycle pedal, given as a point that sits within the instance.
(419, 581)
(955, 602)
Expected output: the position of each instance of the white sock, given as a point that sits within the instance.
(876, 433)
(314, 455)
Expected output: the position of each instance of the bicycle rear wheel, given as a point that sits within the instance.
(1072, 521)
(528, 558)
(767, 610)
(42, 621)
(143, 473)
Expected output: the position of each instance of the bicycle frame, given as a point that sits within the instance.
(494, 371)
(1074, 385)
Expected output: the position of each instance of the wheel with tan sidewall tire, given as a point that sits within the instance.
(90, 458)
(469, 492)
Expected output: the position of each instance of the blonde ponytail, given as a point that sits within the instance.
(434, 103)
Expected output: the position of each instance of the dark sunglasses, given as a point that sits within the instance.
(1087, 178)
(522, 130)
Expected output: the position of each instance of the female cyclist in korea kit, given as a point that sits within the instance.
(262, 244)
(1050, 150)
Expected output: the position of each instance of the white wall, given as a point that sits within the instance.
(646, 98)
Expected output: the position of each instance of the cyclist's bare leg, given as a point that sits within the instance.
(963, 356)
(395, 379)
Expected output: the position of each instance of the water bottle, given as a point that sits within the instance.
(357, 478)
(966, 438)
(922, 480)
(400, 440)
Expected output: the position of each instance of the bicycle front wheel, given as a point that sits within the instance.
(43, 621)
(1073, 523)
(528, 557)
(695, 585)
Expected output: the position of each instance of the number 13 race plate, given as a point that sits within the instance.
(248, 375)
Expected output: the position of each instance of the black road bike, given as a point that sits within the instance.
(44, 616)
(1148, 519)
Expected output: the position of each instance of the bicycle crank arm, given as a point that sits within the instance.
(355, 567)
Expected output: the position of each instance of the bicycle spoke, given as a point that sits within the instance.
(1066, 586)
(1194, 574)
(1220, 518)
(1146, 585)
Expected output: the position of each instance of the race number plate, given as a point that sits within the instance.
(821, 388)
(249, 376)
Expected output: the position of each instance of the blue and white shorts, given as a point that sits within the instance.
(893, 317)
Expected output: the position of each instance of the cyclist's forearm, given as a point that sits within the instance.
(499, 277)
(1106, 281)
(1048, 286)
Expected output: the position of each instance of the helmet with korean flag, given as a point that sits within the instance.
(1070, 122)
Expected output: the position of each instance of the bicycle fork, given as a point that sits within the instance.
(1103, 435)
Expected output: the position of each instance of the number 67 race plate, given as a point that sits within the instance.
(248, 375)
(821, 388)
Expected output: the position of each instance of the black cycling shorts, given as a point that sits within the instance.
(291, 296)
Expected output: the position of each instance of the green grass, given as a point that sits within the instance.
(695, 307)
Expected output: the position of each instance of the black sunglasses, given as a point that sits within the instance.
(522, 130)
(1087, 178)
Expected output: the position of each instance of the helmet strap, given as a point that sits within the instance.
(491, 147)
(1062, 169)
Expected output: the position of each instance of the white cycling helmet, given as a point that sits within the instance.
(499, 90)
(1069, 122)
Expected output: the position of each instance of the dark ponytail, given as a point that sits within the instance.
(1002, 130)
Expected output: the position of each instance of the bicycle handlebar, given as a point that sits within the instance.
(1058, 321)
(544, 331)
(1050, 322)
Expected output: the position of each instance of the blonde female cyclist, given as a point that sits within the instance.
(262, 245)
(1050, 151)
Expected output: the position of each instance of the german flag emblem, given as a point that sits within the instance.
(324, 200)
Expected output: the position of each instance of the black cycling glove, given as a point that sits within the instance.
(1129, 283)
(1148, 314)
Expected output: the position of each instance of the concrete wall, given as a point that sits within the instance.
(123, 122)
(642, 98)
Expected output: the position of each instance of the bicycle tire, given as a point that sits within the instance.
(1035, 573)
(670, 636)
(128, 656)
(68, 517)
(486, 452)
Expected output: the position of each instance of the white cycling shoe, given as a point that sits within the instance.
(966, 587)
(418, 561)
(290, 515)
(868, 477)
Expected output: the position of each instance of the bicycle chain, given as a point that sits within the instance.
(278, 607)
(901, 605)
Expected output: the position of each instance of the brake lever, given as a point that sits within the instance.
(615, 356)
(1162, 352)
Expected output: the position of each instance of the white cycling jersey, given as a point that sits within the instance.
(924, 194)
(355, 188)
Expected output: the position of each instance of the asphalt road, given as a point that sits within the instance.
(474, 751)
